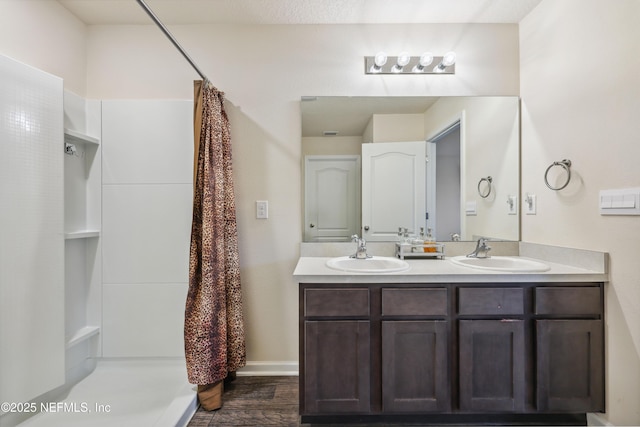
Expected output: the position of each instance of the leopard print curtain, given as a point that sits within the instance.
(213, 327)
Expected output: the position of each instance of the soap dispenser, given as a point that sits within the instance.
(418, 241)
(429, 240)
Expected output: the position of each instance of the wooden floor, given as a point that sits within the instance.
(272, 401)
(254, 401)
(261, 402)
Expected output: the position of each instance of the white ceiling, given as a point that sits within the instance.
(107, 12)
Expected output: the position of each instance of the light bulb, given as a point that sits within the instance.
(403, 59)
(425, 59)
(378, 61)
(449, 59)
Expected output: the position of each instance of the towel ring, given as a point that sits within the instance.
(566, 165)
(487, 191)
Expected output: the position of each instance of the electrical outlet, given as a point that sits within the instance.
(530, 204)
(471, 208)
(262, 209)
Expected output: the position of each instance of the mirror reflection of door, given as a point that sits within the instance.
(447, 183)
(332, 197)
(393, 189)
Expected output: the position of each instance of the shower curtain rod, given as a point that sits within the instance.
(170, 37)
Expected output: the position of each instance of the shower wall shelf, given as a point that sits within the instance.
(72, 136)
(82, 334)
(81, 234)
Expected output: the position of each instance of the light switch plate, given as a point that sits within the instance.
(512, 205)
(262, 209)
(530, 204)
(471, 209)
(620, 202)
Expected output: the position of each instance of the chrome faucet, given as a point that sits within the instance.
(361, 250)
(482, 250)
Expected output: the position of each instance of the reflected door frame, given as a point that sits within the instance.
(457, 120)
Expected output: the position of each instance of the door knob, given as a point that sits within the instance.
(366, 228)
(312, 225)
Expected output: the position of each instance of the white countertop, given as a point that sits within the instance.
(314, 270)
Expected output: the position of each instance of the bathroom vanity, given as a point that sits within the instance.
(442, 343)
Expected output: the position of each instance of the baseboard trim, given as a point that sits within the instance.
(269, 369)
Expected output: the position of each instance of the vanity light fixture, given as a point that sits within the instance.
(404, 63)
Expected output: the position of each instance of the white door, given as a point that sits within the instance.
(393, 189)
(332, 198)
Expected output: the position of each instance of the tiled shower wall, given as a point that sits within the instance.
(32, 340)
(147, 189)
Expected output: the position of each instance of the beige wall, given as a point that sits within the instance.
(580, 88)
(397, 127)
(323, 145)
(43, 34)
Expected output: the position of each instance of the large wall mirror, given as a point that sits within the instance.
(374, 165)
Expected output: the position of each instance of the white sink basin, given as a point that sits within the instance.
(376, 264)
(502, 263)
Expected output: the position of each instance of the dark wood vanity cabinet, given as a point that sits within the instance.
(336, 350)
(414, 344)
(570, 349)
(338, 370)
(451, 350)
(492, 365)
(491, 348)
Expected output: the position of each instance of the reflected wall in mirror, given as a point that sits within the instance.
(377, 190)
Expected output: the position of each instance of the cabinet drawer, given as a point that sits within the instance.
(336, 302)
(584, 300)
(498, 301)
(414, 302)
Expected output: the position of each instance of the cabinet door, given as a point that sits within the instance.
(414, 366)
(337, 366)
(492, 365)
(570, 365)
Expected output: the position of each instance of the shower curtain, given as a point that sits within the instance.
(213, 328)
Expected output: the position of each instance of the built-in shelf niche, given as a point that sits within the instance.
(80, 176)
(82, 234)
